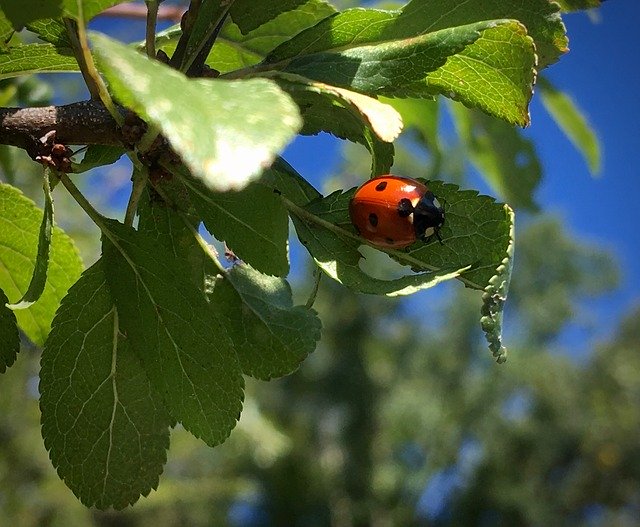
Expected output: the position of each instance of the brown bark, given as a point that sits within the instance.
(80, 123)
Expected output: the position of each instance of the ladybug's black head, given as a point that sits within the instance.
(428, 217)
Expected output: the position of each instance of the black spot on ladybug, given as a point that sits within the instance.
(373, 219)
(390, 241)
(381, 186)
(405, 208)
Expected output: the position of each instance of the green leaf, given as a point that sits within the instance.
(85, 10)
(506, 159)
(496, 74)
(252, 222)
(390, 68)
(540, 17)
(24, 12)
(6, 31)
(36, 58)
(568, 116)
(21, 12)
(344, 40)
(39, 276)
(347, 115)
(179, 337)
(98, 156)
(233, 50)
(106, 429)
(210, 15)
(494, 297)
(271, 335)
(284, 179)
(578, 5)
(248, 15)
(224, 131)
(9, 336)
(51, 30)
(20, 221)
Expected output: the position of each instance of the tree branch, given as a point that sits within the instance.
(80, 123)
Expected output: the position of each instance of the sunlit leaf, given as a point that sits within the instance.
(20, 222)
(39, 276)
(225, 132)
(36, 58)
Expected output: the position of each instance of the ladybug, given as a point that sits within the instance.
(393, 211)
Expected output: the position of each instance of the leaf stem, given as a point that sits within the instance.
(97, 218)
(203, 244)
(94, 81)
(140, 177)
(150, 31)
(317, 275)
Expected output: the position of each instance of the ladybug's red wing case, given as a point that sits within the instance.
(392, 211)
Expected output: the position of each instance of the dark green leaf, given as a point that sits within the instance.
(225, 132)
(9, 336)
(271, 335)
(248, 15)
(6, 31)
(39, 276)
(36, 58)
(390, 68)
(106, 429)
(506, 159)
(98, 156)
(179, 337)
(568, 116)
(252, 222)
(283, 178)
(20, 221)
(21, 12)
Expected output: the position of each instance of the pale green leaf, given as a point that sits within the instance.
(106, 429)
(20, 221)
(36, 58)
(179, 337)
(9, 336)
(494, 297)
(252, 222)
(39, 276)
(225, 132)
(578, 5)
(271, 335)
(566, 113)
